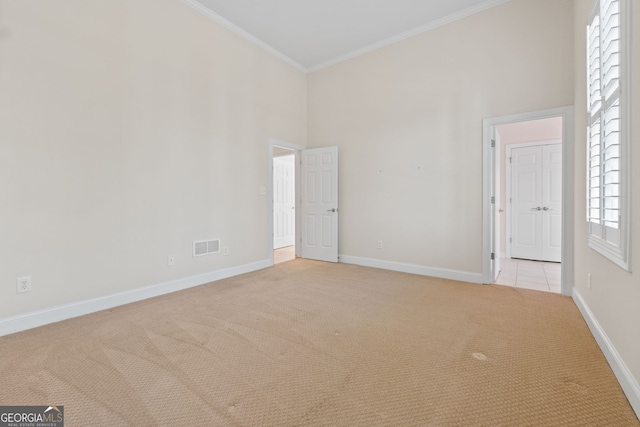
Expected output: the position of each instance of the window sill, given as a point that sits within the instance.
(611, 252)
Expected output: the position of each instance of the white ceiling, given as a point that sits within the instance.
(313, 34)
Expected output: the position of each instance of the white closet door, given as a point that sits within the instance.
(526, 202)
(536, 202)
(552, 203)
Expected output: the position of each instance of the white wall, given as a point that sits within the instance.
(128, 129)
(614, 297)
(408, 122)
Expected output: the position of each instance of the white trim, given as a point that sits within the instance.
(620, 253)
(488, 4)
(283, 144)
(10, 325)
(411, 33)
(244, 34)
(567, 188)
(628, 383)
(421, 270)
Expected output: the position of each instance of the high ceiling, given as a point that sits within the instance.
(312, 34)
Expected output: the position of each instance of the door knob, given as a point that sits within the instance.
(546, 209)
(536, 209)
(331, 210)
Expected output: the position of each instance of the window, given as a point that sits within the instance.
(608, 159)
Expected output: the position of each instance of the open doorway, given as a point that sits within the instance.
(284, 204)
(315, 207)
(529, 202)
(522, 241)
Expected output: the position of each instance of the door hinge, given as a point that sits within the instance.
(510, 158)
(510, 200)
(493, 143)
(493, 256)
(493, 200)
(510, 240)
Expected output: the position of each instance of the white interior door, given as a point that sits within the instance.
(536, 202)
(319, 205)
(552, 202)
(284, 218)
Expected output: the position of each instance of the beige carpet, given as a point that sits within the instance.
(308, 343)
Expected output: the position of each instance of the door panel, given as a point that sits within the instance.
(526, 175)
(536, 202)
(552, 203)
(284, 218)
(320, 204)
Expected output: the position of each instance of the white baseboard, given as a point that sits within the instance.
(626, 379)
(462, 276)
(10, 325)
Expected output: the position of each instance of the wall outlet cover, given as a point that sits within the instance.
(23, 284)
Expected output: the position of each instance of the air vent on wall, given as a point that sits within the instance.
(206, 247)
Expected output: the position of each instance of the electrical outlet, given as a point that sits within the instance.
(171, 260)
(380, 244)
(23, 284)
(589, 281)
(225, 250)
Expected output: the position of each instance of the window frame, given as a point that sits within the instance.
(611, 242)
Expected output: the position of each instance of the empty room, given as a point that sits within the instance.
(319, 213)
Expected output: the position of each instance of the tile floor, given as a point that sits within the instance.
(539, 276)
(284, 254)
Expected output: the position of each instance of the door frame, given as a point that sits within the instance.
(488, 169)
(296, 149)
(507, 177)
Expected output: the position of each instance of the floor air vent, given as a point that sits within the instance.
(206, 247)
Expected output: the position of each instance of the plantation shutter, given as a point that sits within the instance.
(603, 175)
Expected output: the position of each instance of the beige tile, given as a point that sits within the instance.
(530, 269)
(552, 268)
(508, 275)
(532, 285)
(526, 263)
(553, 276)
(533, 278)
(506, 282)
(552, 273)
(555, 289)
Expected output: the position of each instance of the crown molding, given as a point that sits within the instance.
(244, 34)
(359, 52)
(411, 33)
